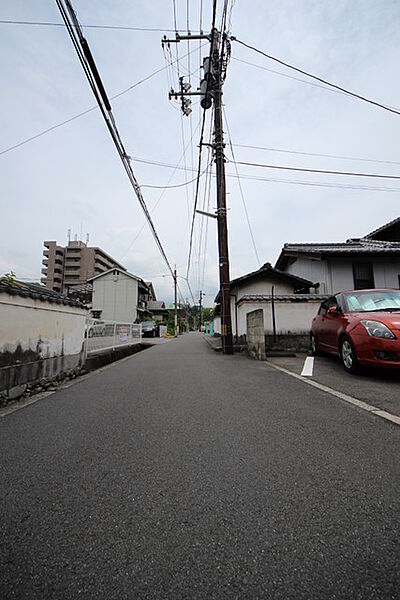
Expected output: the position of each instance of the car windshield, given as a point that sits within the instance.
(372, 301)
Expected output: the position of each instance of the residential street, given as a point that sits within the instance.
(181, 473)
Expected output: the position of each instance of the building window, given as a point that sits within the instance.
(363, 274)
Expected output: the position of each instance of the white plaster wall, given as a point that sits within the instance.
(312, 269)
(336, 275)
(53, 329)
(386, 272)
(116, 296)
(290, 317)
(258, 287)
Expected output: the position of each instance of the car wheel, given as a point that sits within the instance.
(314, 348)
(348, 355)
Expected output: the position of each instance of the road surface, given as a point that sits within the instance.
(180, 473)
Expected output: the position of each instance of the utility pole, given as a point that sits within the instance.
(211, 89)
(201, 309)
(224, 280)
(176, 304)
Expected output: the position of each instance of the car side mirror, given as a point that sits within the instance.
(333, 310)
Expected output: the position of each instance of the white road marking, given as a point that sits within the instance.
(359, 403)
(308, 367)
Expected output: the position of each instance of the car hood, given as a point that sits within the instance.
(392, 320)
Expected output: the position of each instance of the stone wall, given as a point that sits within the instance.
(255, 334)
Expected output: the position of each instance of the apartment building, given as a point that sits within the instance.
(71, 265)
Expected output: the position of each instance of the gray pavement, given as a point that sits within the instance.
(180, 473)
(377, 387)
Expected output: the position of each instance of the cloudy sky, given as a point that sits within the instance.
(72, 178)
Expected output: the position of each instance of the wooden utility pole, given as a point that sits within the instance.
(211, 90)
(224, 280)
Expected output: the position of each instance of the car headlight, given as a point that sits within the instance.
(378, 330)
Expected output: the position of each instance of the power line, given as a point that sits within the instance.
(345, 186)
(241, 192)
(320, 171)
(200, 146)
(341, 157)
(89, 66)
(91, 26)
(178, 185)
(85, 112)
(160, 196)
(297, 182)
(332, 85)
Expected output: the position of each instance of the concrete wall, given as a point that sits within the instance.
(38, 339)
(255, 334)
(336, 275)
(116, 295)
(292, 317)
(257, 287)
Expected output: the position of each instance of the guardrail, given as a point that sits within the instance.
(108, 335)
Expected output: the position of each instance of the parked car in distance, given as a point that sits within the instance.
(362, 327)
(149, 328)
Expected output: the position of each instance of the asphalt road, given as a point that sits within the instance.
(184, 474)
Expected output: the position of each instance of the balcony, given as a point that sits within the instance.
(59, 271)
(44, 271)
(57, 279)
(60, 253)
(58, 261)
(46, 253)
(45, 262)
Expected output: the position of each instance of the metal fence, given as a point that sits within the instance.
(108, 335)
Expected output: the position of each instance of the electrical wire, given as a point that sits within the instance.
(319, 171)
(341, 157)
(115, 27)
(200, 148)
(89, 66)
(85, 112)
(268, 179)
(320, 79)
(241, 191)
(165, 187)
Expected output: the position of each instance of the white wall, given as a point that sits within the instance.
(47, 329)
(291, 318)
(116, 296)
(336, 274)
(259, 286)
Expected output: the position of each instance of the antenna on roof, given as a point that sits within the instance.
(69, 235)
(76, 237)
(87, 239)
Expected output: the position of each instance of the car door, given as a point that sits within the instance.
(333, 324)
(318, 325)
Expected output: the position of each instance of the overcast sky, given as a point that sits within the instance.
(72, 176)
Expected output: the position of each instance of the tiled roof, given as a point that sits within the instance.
(156, 305)
(268, 269)
(352, 246)
(282, 297)
(36, 292)
(383, 228)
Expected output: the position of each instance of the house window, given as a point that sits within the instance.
(363, 274)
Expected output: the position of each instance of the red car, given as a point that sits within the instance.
(362, 327)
